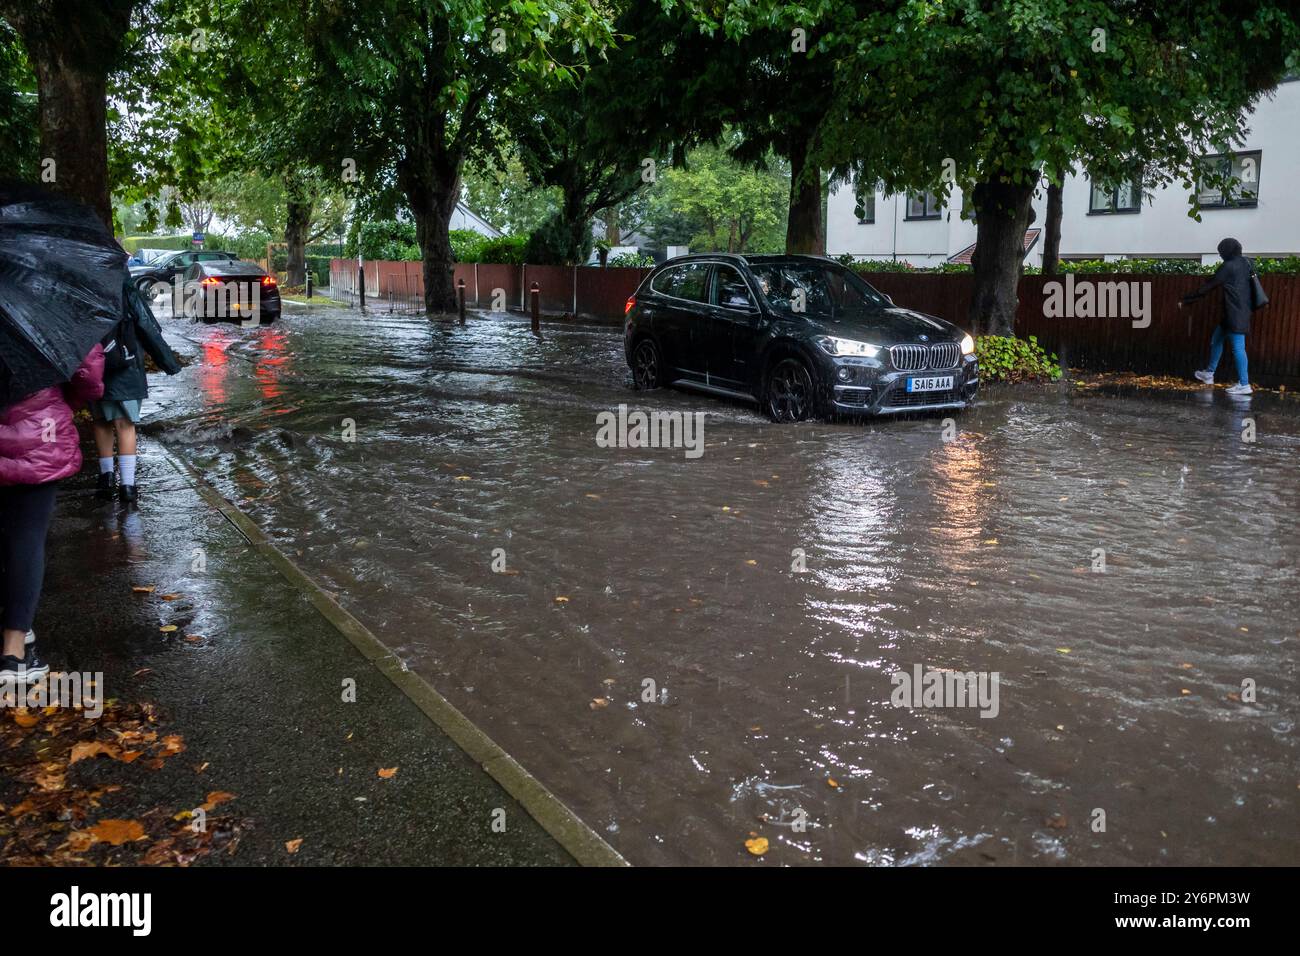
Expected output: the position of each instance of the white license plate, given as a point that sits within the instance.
(935, 383)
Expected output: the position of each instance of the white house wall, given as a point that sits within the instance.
(1161, 229)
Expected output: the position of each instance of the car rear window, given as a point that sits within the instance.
(689, 281)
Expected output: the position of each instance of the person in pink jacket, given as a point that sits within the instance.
(39, 446)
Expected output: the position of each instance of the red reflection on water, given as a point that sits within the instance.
(214, 370)
(272, 362)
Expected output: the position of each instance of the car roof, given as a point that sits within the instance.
(748, 258)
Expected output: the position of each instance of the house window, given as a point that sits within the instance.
(1104, 199)
(1229, 181)
(865, 208)
(922, 206)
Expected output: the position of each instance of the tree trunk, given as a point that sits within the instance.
(296, 224)
(432, 186)
(72, 45)
(1052, 228)
(1003, 212)
(803, 231)
(613, 233)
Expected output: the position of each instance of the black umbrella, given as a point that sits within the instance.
(61, 278)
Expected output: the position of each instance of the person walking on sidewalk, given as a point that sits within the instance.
(39, 446)
(125, 387)
(1234, 278)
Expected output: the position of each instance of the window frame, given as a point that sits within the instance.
(1112, 192)
(871, 219)
(708, 279)
(926, 197)
(714, 288)
(1231, 157)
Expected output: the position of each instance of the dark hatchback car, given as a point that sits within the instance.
(166, 268)
(801, 335)
(231, 290)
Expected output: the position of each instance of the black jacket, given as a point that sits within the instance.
(1233, 277)
(145, 335)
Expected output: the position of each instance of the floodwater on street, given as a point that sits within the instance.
(652, 653)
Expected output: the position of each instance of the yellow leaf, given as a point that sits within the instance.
(215, 799)
(387, 773)
(1063, 650)
(143, 588)
(599, 703)
(168, 628)
(116, 832)
(757, 846)
(293, 845)
(561, 599)
(751, 561)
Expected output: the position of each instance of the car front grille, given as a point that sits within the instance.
(900, 398)
(909, 358)
(944, 355)
(915, 358)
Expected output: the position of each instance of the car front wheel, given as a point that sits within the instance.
(647, 367)
(789, 396)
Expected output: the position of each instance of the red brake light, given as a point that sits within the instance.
(268, 280)
(631, 301)
(210, 280)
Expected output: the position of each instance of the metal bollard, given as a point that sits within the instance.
(361, 287)
(309, 283)
(535, 298)
(460, 300)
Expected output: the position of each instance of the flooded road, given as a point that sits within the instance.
(693, 653)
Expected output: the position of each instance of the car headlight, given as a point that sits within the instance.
(833, 346)
(967, 345)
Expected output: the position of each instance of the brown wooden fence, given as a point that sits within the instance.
(564, 290)
(1174, 343)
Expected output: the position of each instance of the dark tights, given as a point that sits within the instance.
(25, 512)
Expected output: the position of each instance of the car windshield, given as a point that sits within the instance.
(820, 289)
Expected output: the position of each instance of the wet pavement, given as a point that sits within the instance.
(651, 654)
(234, 661)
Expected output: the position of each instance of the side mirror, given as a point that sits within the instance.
(888, 298)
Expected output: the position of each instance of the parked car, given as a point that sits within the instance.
(801, 335)
(167, 267)
(233, 290)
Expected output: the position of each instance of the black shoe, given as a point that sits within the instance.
(127, 493)
(104, 486)
(28, 668)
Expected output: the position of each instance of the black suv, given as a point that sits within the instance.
(802, 335)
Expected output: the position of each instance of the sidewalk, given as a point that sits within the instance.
(225, 691)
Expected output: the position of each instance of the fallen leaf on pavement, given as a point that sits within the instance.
(293, 845)
(757, 846)
(116, 832)
(92, 748)
(387, 773)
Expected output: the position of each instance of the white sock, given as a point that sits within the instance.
(106, 465)
(127, 465)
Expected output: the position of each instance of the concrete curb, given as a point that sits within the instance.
(576, 837)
